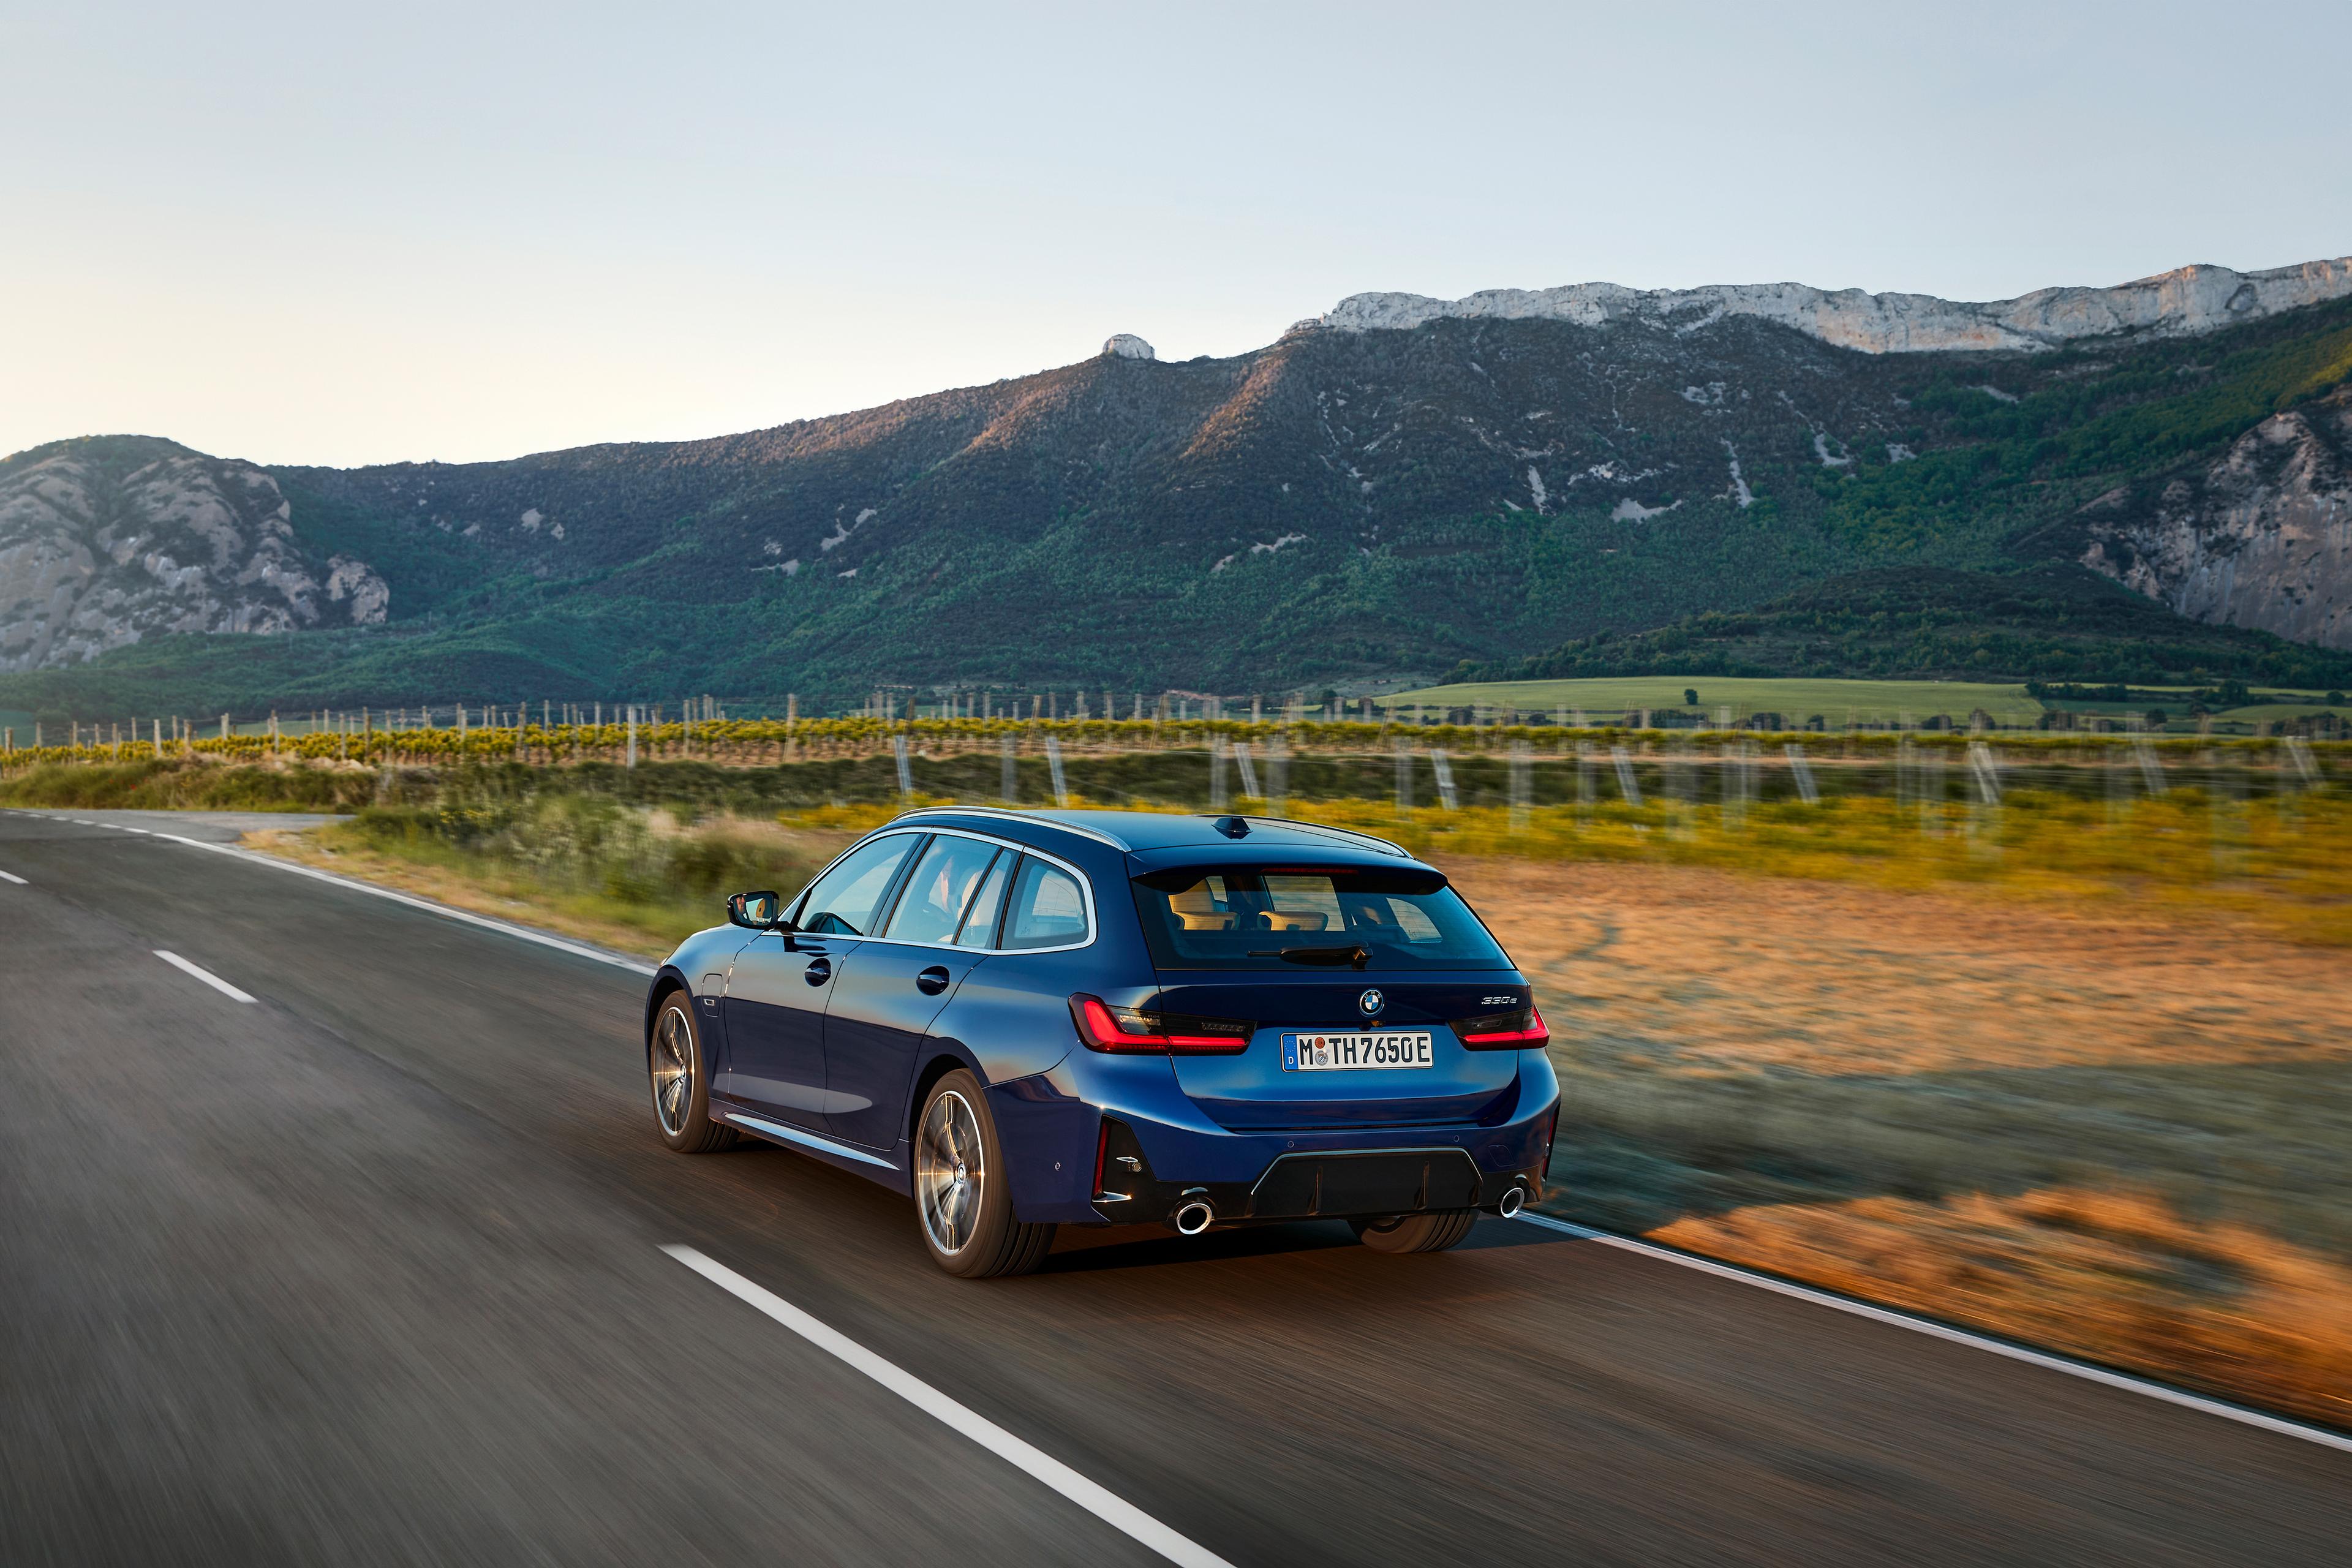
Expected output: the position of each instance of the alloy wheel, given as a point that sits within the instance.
(673, 1071)
(950, 1173)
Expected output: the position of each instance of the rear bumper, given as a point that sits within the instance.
(1350, 1183)
(1159, 1153)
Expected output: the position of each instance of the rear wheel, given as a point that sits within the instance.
(681, 1083)
(1416, 1232)
(962, 1202)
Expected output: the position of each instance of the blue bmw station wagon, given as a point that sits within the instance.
(1023, 1020)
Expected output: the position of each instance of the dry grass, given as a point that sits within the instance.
(552, 896)
(2123, 1136)
(2276, 861)
(2119, 1277)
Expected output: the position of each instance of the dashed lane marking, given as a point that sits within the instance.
(206, 975)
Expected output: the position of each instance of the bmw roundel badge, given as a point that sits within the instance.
(1371, 1003)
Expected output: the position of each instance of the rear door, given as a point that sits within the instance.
(885, 997)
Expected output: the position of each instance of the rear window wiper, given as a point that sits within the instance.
(1357, 956)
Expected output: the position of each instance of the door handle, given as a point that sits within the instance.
(932, 980)
(819, 971)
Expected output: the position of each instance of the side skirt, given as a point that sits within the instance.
(873, 1167)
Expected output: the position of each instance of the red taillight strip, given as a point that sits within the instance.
(1534, 1034)
(1100, 1031)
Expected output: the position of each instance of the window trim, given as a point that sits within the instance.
(1008, 857)
(1012, 885)
(1086, 892)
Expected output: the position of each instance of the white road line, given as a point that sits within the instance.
(206, 975)
(1097, 1500)
(8, 877)
(1934, 1330)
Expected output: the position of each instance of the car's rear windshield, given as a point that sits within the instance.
(1294, 917)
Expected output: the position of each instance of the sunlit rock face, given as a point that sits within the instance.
(2261, 538)
(2171, 304)
(1126, 345)
(110, 541)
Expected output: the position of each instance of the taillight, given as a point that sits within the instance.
(1130, 1030)
(1505, 1031)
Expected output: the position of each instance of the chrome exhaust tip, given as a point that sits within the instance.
(1194, 1217)
(1513, 1202)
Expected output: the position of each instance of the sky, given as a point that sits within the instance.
(306, 233)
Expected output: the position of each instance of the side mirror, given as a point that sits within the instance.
(756, 911)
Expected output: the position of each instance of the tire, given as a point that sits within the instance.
(963, 1204)
(1416, 1232)
(678, 1074)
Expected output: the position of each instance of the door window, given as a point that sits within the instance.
(937, 895)
(846, 899)
(1048, 908)
(980, 924)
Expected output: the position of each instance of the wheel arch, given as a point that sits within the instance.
(940, 1062)
(667, 983)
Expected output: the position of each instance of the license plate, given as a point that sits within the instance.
(1351, 1053)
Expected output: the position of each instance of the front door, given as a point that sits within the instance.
(776, 1001)
(782, 985)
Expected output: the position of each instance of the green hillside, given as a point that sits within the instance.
(2049, 622)
(1468, 500)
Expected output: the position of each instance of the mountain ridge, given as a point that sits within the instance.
(1339, 505)
(2186, 300)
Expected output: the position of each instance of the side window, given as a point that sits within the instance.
(846, 899)
(980, 925)
(933, 904)
(1047, 909)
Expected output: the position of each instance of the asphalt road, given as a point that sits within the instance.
(371, 1269)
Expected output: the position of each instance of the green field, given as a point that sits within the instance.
(2262, 712)
(1799, 699)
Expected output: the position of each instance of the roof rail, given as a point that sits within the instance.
(1000, 813)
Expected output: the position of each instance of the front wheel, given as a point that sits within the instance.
(1416, 1232)
(681, 1083)
(964, 1204)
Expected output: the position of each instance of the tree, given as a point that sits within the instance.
(1690, 696)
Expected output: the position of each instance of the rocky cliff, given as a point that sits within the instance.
(2262, 538)
(110, 541)
(2186, 300)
